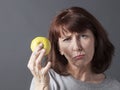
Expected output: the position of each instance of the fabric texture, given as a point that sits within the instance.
(59, 82)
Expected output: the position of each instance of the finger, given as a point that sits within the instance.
(47, 67)
(38, 62)
(39, 59)
(36, 51)
(33, 72)
(37, 48)
(34, 56)
(31, 64)
(31, 68)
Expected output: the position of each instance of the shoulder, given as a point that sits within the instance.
(52, 72)
(54, 75)
(116, 82)
(58, 77)
(57, 81)
(113, 82)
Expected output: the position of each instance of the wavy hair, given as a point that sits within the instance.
(77, 19)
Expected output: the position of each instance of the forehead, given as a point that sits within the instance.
(64, 33)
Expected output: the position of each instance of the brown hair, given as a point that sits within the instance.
(76, 19)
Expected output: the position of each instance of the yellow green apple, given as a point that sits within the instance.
(37, 40)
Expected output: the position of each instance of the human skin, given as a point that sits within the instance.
(40, 74)
(78, 48)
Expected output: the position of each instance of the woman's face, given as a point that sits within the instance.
(78, 48)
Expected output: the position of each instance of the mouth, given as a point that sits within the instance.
(79, 57)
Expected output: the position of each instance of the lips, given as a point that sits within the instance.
(78, 57)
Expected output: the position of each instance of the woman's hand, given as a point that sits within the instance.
(39, 73)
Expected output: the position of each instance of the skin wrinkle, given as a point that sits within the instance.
(73, 44)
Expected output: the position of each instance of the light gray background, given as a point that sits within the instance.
(22, 20)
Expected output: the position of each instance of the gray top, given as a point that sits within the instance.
(58, 82)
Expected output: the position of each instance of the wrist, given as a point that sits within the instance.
(42, 86)
(39, 83)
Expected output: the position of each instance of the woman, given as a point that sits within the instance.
(80, 54)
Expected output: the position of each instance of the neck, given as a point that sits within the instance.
(85, 74)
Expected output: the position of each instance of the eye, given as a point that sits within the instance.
(84, 36)
(67, 39)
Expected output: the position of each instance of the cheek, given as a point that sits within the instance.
(89, 50)
(67, 54)
(65, 50)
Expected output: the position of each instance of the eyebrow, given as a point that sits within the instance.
(63, 37)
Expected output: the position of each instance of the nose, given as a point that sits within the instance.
(76, 45)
